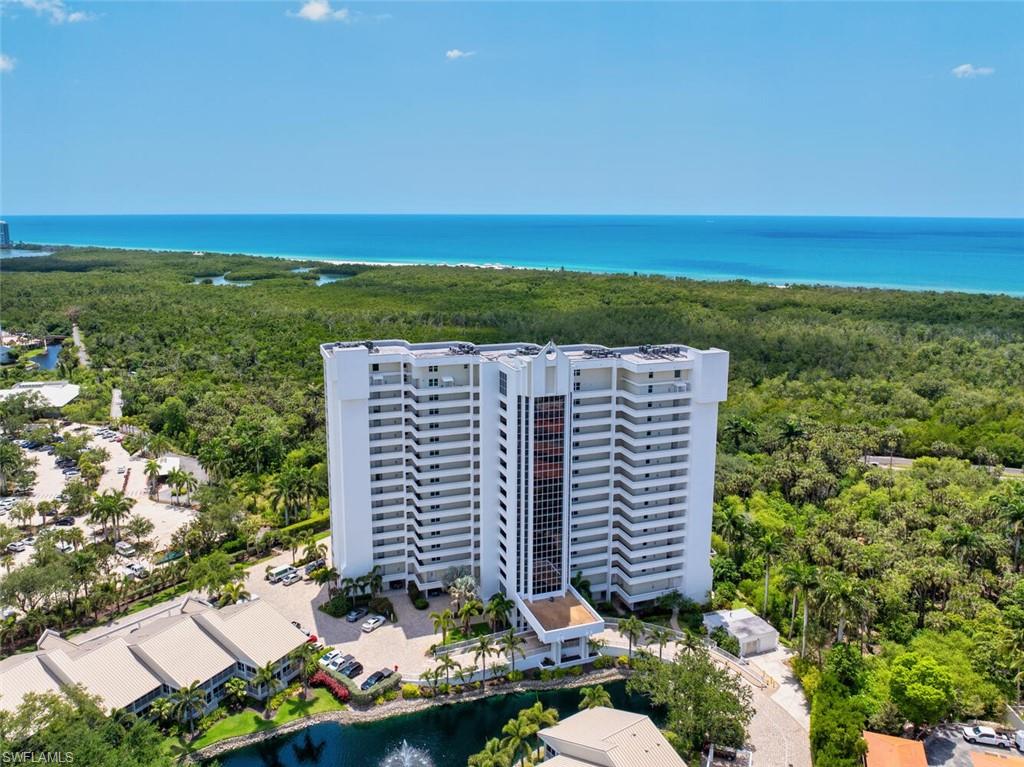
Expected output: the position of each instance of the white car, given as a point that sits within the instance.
(125, 549)
(986, 736)
(326, 660)
(292, 577)
(15, 547)
(136, 570)
(373, 622)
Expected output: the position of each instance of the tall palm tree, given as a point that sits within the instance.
(329, 576)
(517, 734)
(189, 703)
(770, 547)
(161, 709)
(469, 610)
(482, 650)
(188, 483)
(312, 550)
(449, 664)
(595, 697)
(264, 677)
(111, 507)
(660, 636)
(497, 610)
(443, 621)
(157, 445)
(305, 655)
(512, 645)
(800, 578)
(540, 717)
(1009, 504)
(494, 754)
(843, 597)
(632, 628)
(153, 476)
(375, 580)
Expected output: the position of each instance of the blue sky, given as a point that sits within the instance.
(787, 109)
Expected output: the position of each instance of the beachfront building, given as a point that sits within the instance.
(526, 466)
(131, 666)
(606, 737)
(5, 236)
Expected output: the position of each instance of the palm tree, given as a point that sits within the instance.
(517, 734)
(189, 703)
(449, 664)
(799, 578)
(462, 589)
(1009, 504)
(375, 580)
(11, 463)
(443, 621)
(157, 445)
(632, 628)
(236, 690)
(511, 644)
(497, 610)
(110, 507)
(844, 597)
(153, 475)
(596, 644)
(264, 676)
(770, 546)
(188, 483)
(161, 709)
(494, 754)
(540, 717)
(661, 636)
(9, 629)
(313, 550)
(328, 575)
(469, 610)
(232, 593)
(482, 651)
(594, 697)
(348, 588)
(305, 655)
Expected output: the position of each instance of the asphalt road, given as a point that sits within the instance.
(899, 463)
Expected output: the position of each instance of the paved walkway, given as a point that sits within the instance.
(115, 403)
(83, 355)
(789, 695)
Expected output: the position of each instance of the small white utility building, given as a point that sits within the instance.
(754, 633)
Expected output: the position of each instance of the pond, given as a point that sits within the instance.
(441, 736)
(48, 359)
(327, 279)
(221, 279)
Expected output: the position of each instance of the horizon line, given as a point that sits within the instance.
(534, 215)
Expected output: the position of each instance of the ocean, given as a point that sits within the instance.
(975, 255)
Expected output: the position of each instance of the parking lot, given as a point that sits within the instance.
(403, 643)
(947, 747)
(51, 480)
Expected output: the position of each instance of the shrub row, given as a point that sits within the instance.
(416, 596)
(365, 697)
(332, 685)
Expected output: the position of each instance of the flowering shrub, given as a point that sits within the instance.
(329, 683)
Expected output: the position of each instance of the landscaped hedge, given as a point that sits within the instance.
(332, 685)
(416, 596)
(311, 525)
(367, 697)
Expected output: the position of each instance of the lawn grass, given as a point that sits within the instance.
(250, 721)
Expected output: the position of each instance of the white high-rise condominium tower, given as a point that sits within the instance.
(526, 466)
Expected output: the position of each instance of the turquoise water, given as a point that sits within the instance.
(449, 734)
(48, 359)
(981, 255)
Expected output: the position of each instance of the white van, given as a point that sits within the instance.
(125, 549)
(1018, 740)
(280, 573)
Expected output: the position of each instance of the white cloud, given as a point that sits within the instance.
(56, 10)
(6, 63)
(968, 71)
(455, 53)
(321, 10)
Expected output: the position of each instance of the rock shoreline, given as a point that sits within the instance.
(401, 708)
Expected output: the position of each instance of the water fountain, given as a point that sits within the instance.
(407, 756)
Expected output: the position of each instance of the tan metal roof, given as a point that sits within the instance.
(110, 671)
(561, 612)
(612, 738)
(22, 674)
(254, 631)
(178, 651)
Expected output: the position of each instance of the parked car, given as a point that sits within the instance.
(312, 567)
(325, 661)
(292, 577)
(29, 540)
(340, 662)
(124, 548)
(375, 678)
(356, 613)
(373, 622)
(986, 736)
(279, 573)
(121, 469)
(137, 571)
(63, 547)
(15, 547)
(67, 521)
(351, 670)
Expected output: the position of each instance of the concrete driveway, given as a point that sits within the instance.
(789, 695)
(947, 747)
(403, 643)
